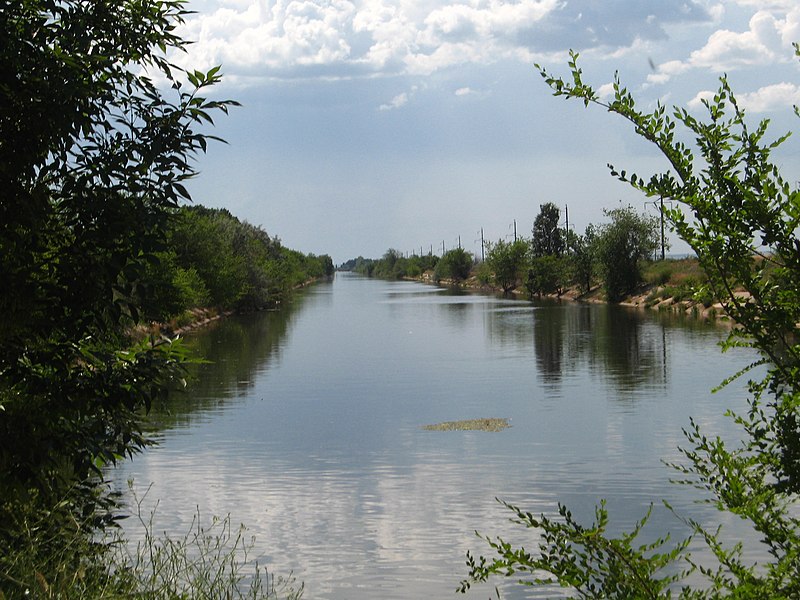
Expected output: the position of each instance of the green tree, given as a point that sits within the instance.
(328, 269)
(455, 264)
(93, 161)
(507, 261)
(622, 246)
(744, 229)
(548, 237)
(548, 274)
(583, 250)
(209, 241)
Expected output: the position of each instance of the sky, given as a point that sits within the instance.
(419, 124)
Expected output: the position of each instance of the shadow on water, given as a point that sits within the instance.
(239, 348)
(628, 347)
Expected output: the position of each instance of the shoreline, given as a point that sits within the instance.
(195, 318)
(647, 298)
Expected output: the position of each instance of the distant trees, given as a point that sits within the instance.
(212, 258)
(455, 265)
(583, 254)
(549, 262)
(548, 274)
(621, 248)
(548, 271)
(507, 262)
(548, 238)
(392, 265)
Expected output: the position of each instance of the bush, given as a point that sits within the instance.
(547, 274)
(455, 265)
(508, 262)
(622, 247)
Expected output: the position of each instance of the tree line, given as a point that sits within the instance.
(211, 258)
(98, 132)
(553, 259)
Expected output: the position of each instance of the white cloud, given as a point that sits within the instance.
(349, 38)
(464, 91)
(767, 40)
(396, 102)
(771, 97)
(256, 36)
(768, 4)
(605, 91)
(697, 102)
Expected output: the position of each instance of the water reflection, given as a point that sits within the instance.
(235, 351)
(627, 347)
(307, 426)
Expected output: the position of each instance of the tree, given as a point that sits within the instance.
(93, 161)
(547, 274)
(328, 269)
(507, 262)
(744, 229)
(583, 250)
(548, 237)
(455, 265)
(622, 246)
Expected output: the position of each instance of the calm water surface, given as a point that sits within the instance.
(307, 427)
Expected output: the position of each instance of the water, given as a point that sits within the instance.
(307, 427)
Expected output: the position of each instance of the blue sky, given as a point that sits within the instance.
(375, 124)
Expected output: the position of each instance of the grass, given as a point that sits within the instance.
(679, 280)
(470, 425)
(207, 561)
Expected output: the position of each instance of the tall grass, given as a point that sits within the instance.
(211, 561)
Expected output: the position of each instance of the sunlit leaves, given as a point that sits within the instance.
(741, 218)
(94, 160)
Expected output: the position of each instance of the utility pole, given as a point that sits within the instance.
(483, 245)
(459, 242)
(663, 256)
(442, 247)
(660, 206)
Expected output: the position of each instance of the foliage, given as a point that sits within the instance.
(455, 265)
(548, 274)
(582, 558)
(743, 227)
(214, 259)
(208, 561)
(393, 265)
(93, 159)
(548, 238)
(507, 260)
(364, 266)
(583, 251)
(622, 246)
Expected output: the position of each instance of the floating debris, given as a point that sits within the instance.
(470, 425)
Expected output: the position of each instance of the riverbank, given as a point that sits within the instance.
(197, 317)
(674, 285)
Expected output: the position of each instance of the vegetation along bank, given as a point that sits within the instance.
(616, 261)
(97, 243)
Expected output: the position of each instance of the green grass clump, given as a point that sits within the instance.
(207, 561)
(470, 425)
